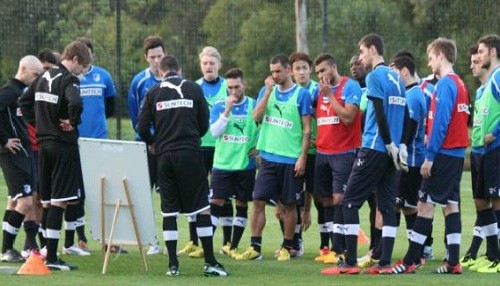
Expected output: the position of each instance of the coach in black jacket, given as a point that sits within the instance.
(179, 112)
(15, 155)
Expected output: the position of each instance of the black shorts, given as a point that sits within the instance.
(60, 172)
(475, 165)
(152, 168)
(309, 175)
(183, 183)
(332, 173)
(372, 170)
(208, 158)
(34, 171)
(237, 184)
(443, 187)
(409, 184)
(277, 181)
(489, 174)
(17, 173)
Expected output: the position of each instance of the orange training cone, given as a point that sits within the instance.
(34, 266)
(362, 238)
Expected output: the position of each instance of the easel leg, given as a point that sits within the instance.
(108, 249)
(103, 218)
(134, 223)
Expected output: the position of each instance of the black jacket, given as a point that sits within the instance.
(12, 124)
(180, 120)
(55, 95)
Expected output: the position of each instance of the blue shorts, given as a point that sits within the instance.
(443, 187)
(489, 174)
(277, 181)
(372, 170)
(332, 173)
(237, 184)
(409, 184)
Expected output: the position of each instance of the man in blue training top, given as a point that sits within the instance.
(377, 162)
(154, 51)
(444, 156)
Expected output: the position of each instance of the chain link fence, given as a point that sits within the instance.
(247, 32)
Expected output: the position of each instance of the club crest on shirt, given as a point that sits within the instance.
(97, 77)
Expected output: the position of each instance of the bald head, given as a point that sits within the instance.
(29, 69)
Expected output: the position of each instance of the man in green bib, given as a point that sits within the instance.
(284, 110)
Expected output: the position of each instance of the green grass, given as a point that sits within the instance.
(127, 269)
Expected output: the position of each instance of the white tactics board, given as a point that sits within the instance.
(117, 160)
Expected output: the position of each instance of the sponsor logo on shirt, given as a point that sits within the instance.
(89, 91)
(328, 120)
(235, 139)
(396, 100)
(477, 122)
(462, 107)
(278, 122)
(47, 97)
(177, 103)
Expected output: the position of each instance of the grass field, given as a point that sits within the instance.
(126, 269)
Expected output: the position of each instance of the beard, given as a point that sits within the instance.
(486, 65)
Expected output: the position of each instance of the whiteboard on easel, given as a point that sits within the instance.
(114, 161)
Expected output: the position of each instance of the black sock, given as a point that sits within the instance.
(215, 213)
(80, 222)
(377, 236)
(43, 226)
(490, 230)
(338, 230)
(193, 236)
(70, 217)
(256, 243)
(13, 224)
(323, 234)
(170, 235)
(53, 230)
(420, 231)
(351, 226)
(227, 221)
(328, 213)
(239, 224)
(453, 230)
(297, 235)
(388, 236)
(31, 230)
(287, 243)
(497, 215)
(205, 233)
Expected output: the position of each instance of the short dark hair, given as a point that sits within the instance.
(404, 53)
(152, 42)
(87, 43)
(472, 50)
(169, 63)
(234, 73)
(47, 55)
(325, 57)
(280, 59)
(373, 40)
(491, 41)
(298, 56)
(404, 62)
